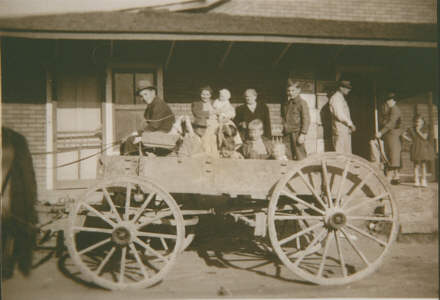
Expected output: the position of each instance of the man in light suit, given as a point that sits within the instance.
(342, 124)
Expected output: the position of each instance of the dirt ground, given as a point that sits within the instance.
(224, 265)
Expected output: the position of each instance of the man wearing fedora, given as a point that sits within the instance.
(390, 133)
(342, 124)
(158, 117)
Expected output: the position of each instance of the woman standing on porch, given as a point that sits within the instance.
(391, 132)
(250, 111)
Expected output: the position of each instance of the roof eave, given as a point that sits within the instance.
(169, 36)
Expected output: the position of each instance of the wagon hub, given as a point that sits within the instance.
(336, 219)
(121, 236)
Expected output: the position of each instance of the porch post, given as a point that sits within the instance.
(50, 130)
(376, 115)
(1, 100)
(108, 113)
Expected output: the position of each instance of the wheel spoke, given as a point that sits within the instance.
(138, 259)
(123, 257)
(94, 246)
(157, 235)
(299, 217)
(311, 189)
(127, 202)
(98, 214)
(159, 216)
(144, 205)
(341, 257)
(368, 218)
(367, 201)
(341, 183)
(353, 245)
(360, 185)
(164, 244)
(327, 184)
(324, 255)
(151, 250)
(112, 205)
(105, 260)
(315, 240)
(294, 197)
(298, 234)
(92, 229)
(364, 233)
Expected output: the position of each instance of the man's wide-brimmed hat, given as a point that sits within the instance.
(346, 84)
(144, 85)
(390, 95)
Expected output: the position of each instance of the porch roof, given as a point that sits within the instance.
(149, 25)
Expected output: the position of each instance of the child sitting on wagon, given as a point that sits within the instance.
(257, 146)
(189, 144)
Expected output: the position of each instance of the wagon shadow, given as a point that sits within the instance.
(222, 243)
(71, 271)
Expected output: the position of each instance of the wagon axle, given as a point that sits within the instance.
(335, 219)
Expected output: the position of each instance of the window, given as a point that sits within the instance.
(127, 82)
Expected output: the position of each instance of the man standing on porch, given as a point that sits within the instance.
(296, 121)
(342, 124)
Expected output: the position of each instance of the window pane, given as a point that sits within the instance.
(142, 80)
(124, 91)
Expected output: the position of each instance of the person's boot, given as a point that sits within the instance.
(424, 183)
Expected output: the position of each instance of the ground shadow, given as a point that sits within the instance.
(223, 243)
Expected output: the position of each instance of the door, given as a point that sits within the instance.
(362, 105)
(78, 127)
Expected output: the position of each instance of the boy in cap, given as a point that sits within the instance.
(296, 121)
(342, 124)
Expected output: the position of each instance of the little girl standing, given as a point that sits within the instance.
(422, 149)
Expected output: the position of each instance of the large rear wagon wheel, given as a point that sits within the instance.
(125, 233)
(342, 216)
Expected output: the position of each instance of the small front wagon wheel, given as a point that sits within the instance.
(125, 233)
(341, 215)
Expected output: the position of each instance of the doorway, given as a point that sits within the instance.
(362, 109)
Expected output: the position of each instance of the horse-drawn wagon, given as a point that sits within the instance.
(330, 218)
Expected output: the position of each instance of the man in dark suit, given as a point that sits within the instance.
(158, 118)
(158, 115)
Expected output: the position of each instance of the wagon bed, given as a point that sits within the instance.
(319, 215)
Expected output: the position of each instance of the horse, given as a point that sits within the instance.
(19, 196)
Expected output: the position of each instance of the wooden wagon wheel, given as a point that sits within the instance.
(343, 215)
(125, 233)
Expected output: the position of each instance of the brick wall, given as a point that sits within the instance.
(397, 11)
(30, 121)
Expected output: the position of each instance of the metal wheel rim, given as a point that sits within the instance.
(273, 232)
(180, 234)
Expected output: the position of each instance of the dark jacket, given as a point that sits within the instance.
(391, 121)
(243, 114)
(158, 116)
(295, 115)
(200, 116)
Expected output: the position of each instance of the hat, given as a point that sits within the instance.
(346, 84)
(390, 95)
(144, 85)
